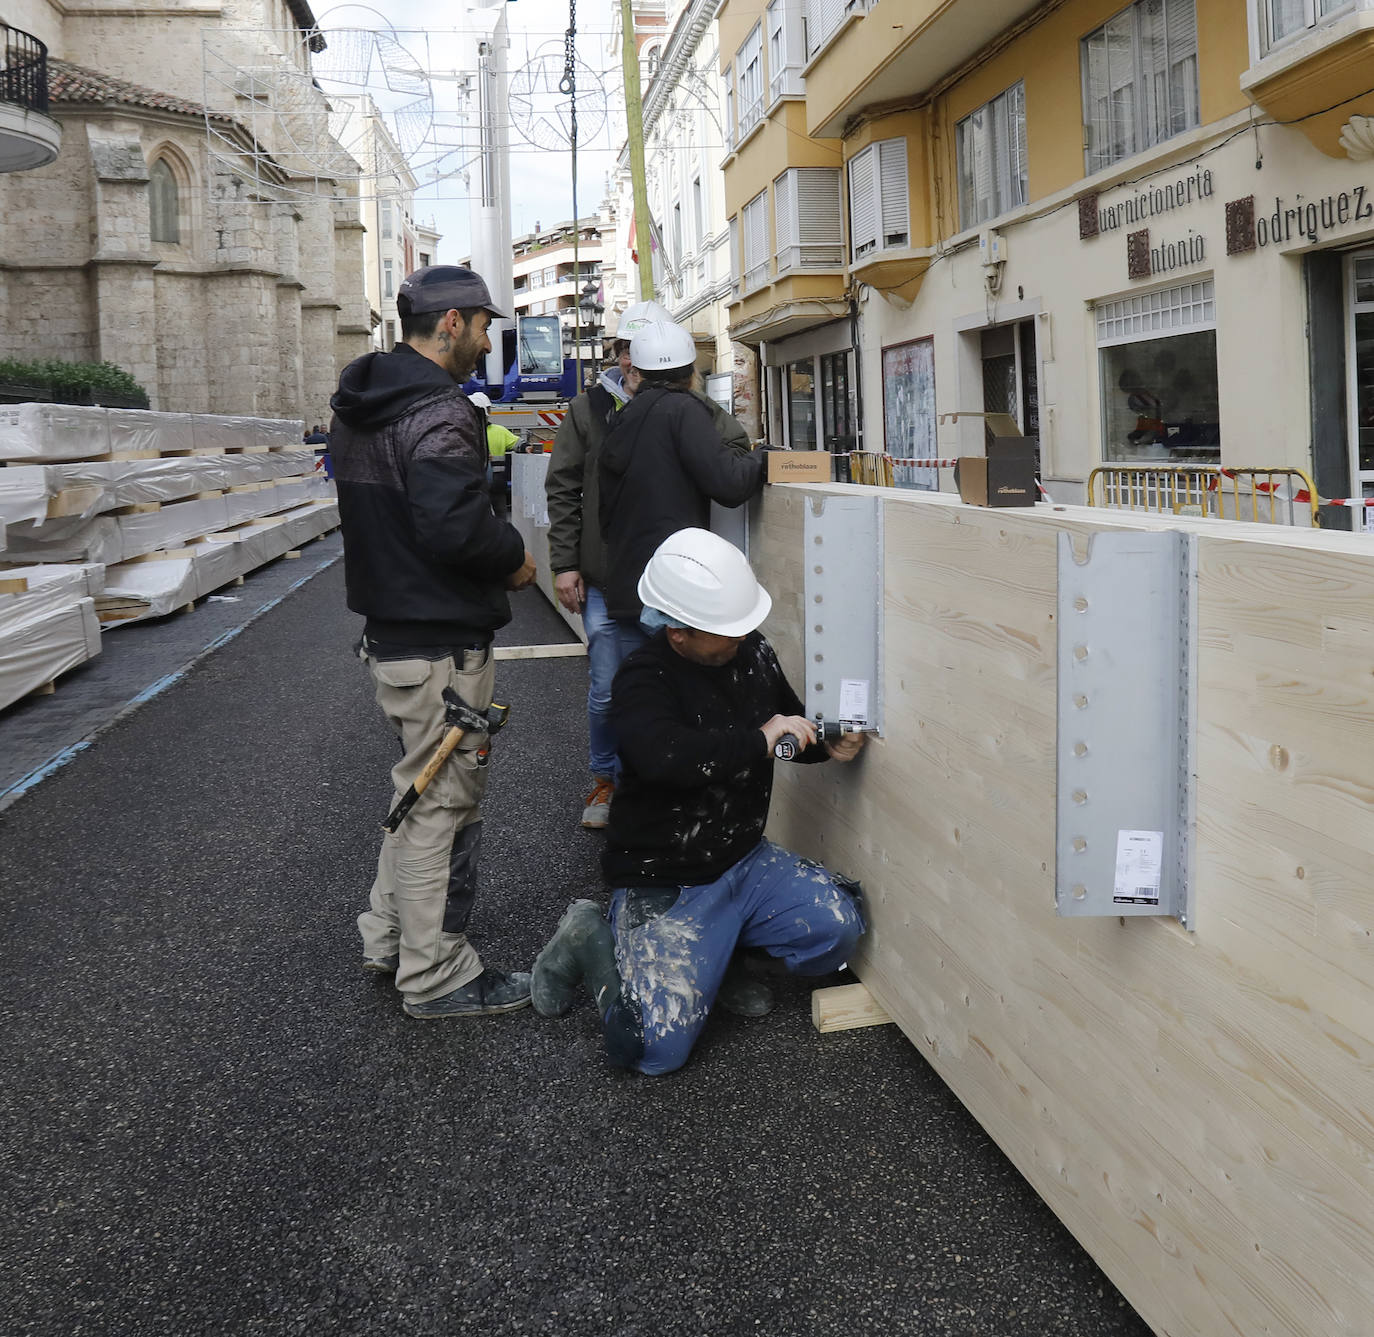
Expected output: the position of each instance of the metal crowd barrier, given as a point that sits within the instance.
(1278, 496)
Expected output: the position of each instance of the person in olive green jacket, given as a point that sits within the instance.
(578, 554)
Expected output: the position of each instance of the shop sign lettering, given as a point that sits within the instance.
(1153, 201)
(1309, 220)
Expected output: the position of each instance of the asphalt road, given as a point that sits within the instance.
(217, 1124)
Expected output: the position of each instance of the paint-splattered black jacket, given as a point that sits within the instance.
(697, 773)
(425, 559)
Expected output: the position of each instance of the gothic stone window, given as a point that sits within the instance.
(163, 205)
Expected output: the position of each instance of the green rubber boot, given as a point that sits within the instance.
(582, 950)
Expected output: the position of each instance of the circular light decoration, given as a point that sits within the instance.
(542, 112)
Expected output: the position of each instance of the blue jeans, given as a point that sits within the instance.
(671, 965)
(608, 642)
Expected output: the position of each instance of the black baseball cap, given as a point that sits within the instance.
(444, 288)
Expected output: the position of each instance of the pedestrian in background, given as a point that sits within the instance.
(663, 463)
(499, 440)
(577, 551)
(429, 566)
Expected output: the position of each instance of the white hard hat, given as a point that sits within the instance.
(482, 401)
(637, 315)
(701, 580)
(659, 345)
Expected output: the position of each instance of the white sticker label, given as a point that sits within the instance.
(1139, 867)
(854, 701)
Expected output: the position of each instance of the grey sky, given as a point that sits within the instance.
(541, 186)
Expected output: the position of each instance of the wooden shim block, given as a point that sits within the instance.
(208, 495)
(15, 585)
(846, 1007)
(121, 455)
(237, 580)
(47, 689)
(138, 508)
(572, 650)
(295, 552)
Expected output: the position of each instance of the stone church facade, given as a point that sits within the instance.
(197, 246)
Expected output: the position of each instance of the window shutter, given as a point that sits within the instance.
(785, 218)
(817, 197)
(1181, 30)
(863, 204)
(736, 270)
(896, 208)
(822, 18)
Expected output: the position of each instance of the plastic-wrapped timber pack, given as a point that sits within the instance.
(170, 505)
(48, 624)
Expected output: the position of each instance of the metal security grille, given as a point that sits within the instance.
(1150, 314)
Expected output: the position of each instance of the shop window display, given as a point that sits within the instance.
(1160, 400)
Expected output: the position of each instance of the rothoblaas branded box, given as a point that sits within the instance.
(1005, 476)
(798, 466)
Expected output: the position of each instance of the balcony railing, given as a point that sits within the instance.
(24, 74)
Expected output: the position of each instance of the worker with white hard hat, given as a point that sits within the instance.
(663, 463)
(577, 552)
(699, 710)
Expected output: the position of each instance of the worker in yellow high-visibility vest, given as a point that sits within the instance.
(499, 441)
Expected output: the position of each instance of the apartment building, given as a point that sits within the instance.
(549, 282)
(1145, 230)
(683, 109)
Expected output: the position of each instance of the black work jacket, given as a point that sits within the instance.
(696, 773)
(425, 559)
(662, 465)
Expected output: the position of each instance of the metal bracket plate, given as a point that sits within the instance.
(1126, 731)
(843, 555)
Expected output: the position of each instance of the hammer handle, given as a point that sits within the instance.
(422, 781)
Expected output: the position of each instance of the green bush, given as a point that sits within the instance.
(68, 380)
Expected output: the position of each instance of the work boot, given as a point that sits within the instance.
(383, 965)
(598, 810)
(582, 948)
(491, 992)
(743, 995)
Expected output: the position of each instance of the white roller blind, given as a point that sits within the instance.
(754, 240)
(785, 214)
(896, 206)
(822, 18)
(807, 218)
(863, 204)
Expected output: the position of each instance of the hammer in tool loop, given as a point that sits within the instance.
(461, 719)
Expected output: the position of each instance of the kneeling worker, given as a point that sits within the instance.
(698, 711)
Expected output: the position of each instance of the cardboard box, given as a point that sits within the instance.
(798, 466)
(1005, 476)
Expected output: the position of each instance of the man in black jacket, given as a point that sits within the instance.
(662, 464)
(577, 552)
(698, 710)
(428, 565)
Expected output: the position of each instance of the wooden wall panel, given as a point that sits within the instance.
(1197, 1107)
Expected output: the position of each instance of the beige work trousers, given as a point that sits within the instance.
(427, 871)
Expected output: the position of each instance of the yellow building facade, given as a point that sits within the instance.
(1145, 230)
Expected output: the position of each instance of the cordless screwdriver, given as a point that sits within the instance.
(827, 731)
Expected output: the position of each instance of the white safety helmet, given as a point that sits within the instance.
(482, 401)
(638, 315)
(660, 345)
(701, 580)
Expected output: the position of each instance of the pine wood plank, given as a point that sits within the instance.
(1198, 1108)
